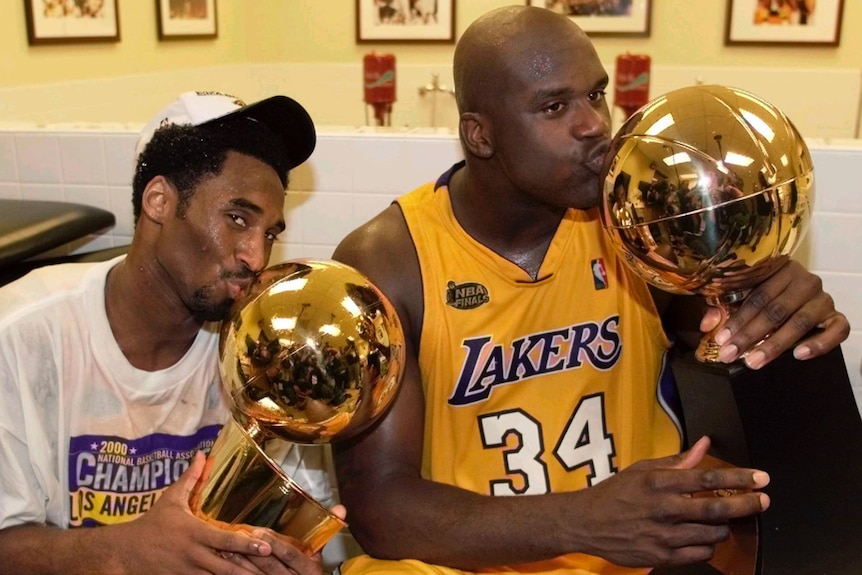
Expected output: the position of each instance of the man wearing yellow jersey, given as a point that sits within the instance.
(535, 360)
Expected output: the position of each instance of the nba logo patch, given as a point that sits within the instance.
(469, 295)
(600, 276)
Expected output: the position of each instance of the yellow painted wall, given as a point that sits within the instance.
(138, 51)
(684, 32)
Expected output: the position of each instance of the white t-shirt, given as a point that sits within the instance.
(85, 437)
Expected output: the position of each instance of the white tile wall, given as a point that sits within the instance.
(352, 176)
(38, 158)
(8, 161)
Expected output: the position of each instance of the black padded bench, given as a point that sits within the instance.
(30, 228)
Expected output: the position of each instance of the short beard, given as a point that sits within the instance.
(203, 309)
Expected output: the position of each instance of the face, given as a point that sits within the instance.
(552, 131)
(213, 250)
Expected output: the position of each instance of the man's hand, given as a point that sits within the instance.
(776, 315)
(287, 557)
(176, 541)
(647, 515)
(169, 539)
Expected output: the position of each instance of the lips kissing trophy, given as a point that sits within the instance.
(312, 354)
(708, 190)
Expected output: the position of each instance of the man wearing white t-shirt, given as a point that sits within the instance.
(108, 371)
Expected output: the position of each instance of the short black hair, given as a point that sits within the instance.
(185, 154)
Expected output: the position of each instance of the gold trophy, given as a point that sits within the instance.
(708, 190)
(313, 354)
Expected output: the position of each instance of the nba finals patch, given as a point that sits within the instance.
(468, 295)
(600, 276)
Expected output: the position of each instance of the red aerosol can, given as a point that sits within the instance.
(379, 84)
(631, 82)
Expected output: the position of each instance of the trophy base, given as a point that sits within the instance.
(707, 351)
(798, 421)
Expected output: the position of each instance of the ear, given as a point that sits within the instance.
(476, 134)
(159, 200)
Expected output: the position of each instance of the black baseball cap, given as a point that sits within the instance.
(284, 116)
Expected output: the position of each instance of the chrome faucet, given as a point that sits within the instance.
(433, 88)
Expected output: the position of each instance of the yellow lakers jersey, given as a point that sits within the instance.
(533, 386)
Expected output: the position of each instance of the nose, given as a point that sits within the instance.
(593, 121)
(253, 252)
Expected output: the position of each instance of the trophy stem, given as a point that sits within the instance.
(243, 485)
(707, 350)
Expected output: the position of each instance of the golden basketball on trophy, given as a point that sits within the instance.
(707, 190)
(313, 354)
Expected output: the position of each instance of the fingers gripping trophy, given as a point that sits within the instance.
(313, 354)
(708, 190)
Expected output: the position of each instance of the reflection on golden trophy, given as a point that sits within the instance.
(707, 190)
(313, 354)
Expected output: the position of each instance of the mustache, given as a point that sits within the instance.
(242, 274)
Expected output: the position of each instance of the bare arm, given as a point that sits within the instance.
(167, 539)
(634, 518)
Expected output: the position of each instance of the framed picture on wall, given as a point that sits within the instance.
(186, 19)
(56, 22)
(382, 21)
(784, 23)
(604, 17)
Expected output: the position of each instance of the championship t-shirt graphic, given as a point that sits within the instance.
(113, 480)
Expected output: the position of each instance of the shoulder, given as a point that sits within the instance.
(387, 231)
(47, 287)
(382, 249)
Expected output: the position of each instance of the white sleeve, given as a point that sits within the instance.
(21, 498)
(306, 465)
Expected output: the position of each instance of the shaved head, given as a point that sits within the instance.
(509, 42)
